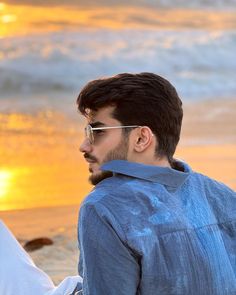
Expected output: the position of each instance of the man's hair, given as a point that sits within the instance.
(144, 99)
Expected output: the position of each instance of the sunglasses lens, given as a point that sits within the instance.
(89, 133)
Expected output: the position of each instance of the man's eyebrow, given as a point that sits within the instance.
(96, 124)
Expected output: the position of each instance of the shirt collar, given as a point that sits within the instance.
(163, 175)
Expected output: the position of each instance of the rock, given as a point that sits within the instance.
(37, 243)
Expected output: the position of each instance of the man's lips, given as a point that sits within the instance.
(90, 159)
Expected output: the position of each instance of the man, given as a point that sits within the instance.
(151, 225)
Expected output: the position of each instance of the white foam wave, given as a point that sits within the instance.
(199, 63)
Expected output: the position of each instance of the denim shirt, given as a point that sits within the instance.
(156, 230)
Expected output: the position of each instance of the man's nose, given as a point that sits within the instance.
(85, 146)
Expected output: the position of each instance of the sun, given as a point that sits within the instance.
(8, 18)
(5, 181)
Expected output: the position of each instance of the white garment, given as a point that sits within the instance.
(19, 275)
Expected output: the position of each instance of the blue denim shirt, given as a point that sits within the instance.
(154, 230)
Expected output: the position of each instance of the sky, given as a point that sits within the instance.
(27, 17)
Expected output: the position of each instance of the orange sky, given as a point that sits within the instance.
(20, 19)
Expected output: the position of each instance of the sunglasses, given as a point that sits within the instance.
(89, 130)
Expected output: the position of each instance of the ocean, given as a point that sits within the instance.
(50, 57)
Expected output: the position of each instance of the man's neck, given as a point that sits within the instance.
(162, 162)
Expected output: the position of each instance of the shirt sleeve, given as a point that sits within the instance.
(19, 275)
(106, 264)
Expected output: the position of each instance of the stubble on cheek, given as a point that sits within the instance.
(118, 153)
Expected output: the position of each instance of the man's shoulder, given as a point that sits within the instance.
(107, 201)
(220, 197)
(118, 193)
(212, 184)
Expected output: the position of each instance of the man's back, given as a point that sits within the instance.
(154, 230)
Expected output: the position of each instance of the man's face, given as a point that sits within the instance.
(108, 144)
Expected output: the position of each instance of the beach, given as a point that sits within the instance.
(217, 158)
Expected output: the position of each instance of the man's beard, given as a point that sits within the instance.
(118, 153)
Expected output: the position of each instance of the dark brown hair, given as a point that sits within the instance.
(144, 99)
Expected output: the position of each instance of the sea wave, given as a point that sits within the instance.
(199, 63)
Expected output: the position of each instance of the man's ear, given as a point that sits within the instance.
(144, 138)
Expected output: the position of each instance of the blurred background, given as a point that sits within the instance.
(48, 51)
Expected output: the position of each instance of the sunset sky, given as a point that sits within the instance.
(26, 18)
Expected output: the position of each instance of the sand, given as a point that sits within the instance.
(208, 144)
